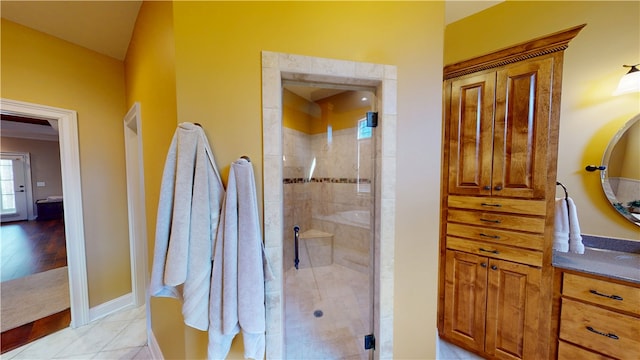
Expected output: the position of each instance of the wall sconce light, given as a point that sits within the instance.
(630, 82)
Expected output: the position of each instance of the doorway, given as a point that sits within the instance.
(72, 189)
(135, 203)
(278, 68)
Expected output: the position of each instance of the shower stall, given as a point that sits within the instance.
(329, 173)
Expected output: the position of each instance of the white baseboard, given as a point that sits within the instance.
(154, 347)
(121, 303)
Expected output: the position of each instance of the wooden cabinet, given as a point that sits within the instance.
(501, 121)
(497, 124)
(599, 318)
(491, 304)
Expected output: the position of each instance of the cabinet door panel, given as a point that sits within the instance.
(465, 298)
(521, 128)
(471, 134)
(512, 305)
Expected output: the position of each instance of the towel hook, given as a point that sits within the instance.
(245, 157)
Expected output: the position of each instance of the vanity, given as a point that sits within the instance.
(598, 299)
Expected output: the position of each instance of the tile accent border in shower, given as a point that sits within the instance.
(326, 180)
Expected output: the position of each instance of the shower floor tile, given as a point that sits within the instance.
(342, 295)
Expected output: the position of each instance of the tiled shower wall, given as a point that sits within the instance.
(340, 181)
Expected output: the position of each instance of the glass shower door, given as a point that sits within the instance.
(329, 172)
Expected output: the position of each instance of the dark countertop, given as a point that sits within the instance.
(612, 258)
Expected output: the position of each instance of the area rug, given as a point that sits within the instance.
(33, 297)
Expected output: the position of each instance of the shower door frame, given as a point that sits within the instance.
(277, 67)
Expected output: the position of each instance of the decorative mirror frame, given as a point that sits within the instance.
(604, 175)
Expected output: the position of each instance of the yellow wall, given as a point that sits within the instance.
(589, 116)
(296, 113)
(150, 80)
(218, 84)
(42, 69)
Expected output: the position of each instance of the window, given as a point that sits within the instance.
(8, 197)
(364, 132)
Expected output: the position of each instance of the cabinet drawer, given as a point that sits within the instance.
(568, 351)
(497, 220)
(601, 330)
(502, 237)
(494, 204)
(616, 296)
(523, 256)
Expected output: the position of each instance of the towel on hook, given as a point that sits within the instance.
(240, 269)
(191, 196)
(566, 235)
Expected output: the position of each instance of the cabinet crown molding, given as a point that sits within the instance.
(558, 41)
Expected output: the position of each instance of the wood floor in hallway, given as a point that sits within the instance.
(26, 248)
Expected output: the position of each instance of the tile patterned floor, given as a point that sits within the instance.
(447, 351)
(118, 336)
(123, 335)
(343, 297)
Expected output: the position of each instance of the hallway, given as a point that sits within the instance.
(27, 248)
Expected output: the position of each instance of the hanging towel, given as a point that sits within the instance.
(191, 196)
(561, 226)
(566, 235)
(575, 237)
(240, 269)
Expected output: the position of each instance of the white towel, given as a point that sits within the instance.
(566, 235)
(239, 270)
(575, 237)
(189, 207)
(561, 226)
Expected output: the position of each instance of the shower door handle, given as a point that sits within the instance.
(296, 235)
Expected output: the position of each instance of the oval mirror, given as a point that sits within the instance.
(621, 179)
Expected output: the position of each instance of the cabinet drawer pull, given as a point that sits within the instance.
(490, 251)
(614, 297)
(609, 335)
(490, 236)
(491, 221)
(494, 205)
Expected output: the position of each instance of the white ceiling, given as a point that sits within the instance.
(28, 131)
(102, 26)
(106, 26)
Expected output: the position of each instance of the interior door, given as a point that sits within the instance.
(14, 188)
